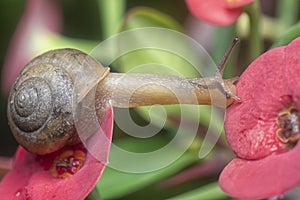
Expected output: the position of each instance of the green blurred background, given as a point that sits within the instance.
(84, 20)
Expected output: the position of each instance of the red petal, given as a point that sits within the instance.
(100, 151)
(12, 185)
(29, 180)
(251, 125)
(214, 11)
(293, 69)
(269, 84)
(268, 177)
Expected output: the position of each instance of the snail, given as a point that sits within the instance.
(40, 103)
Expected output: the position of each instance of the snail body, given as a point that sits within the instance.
(42, 99)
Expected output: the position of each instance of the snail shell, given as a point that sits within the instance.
(42, 99)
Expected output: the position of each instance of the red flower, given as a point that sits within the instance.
(70, 173)
(263, 129)
(219, 12)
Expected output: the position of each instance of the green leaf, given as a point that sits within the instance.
(289, 36)
(94, 195)
(147, 17)
(115, 183)
(49, 41)
(210, 191)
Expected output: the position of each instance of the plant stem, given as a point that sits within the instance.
(255, 39)
(111, 13)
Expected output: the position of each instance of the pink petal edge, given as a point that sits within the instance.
(214, 11)
(258, 179)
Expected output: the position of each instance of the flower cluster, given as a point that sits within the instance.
(263, 129)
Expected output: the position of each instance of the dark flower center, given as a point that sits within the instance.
(64, 162)
(288, 125)
(67, 163)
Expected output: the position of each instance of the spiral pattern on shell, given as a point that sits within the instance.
(41, 101)
(45, 95)
(31, 113)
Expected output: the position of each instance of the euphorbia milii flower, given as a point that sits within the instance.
(70, 173)
(219, 12)
(263, 129)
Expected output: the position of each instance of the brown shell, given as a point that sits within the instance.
(44, 96)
